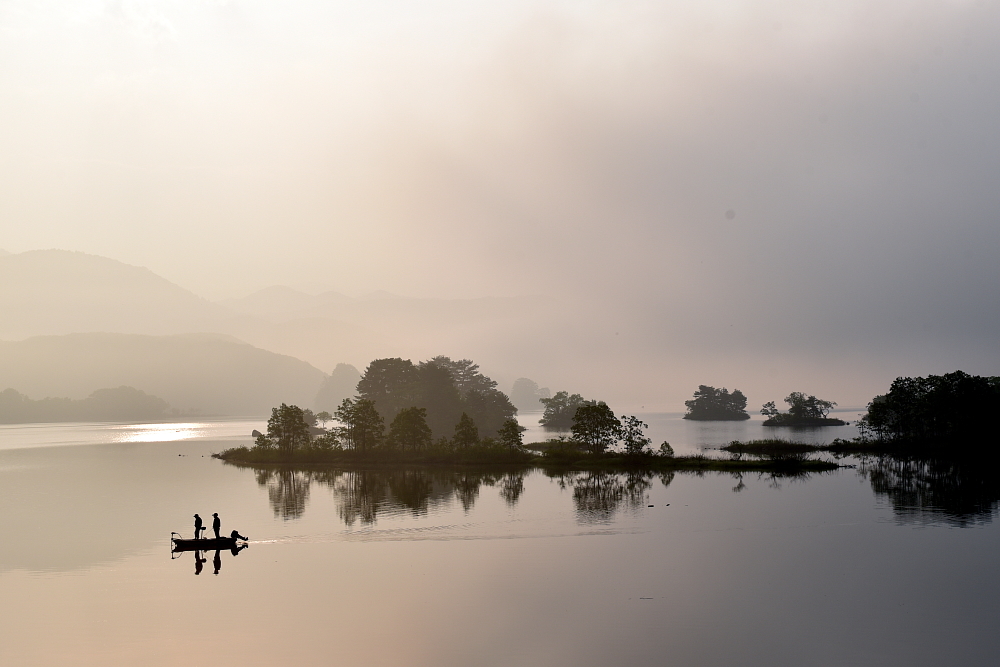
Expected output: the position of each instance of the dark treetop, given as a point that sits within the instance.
(802, 411)
(711, 404)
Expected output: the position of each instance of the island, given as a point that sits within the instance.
(711, 404)
(803, 411)
(446, 413)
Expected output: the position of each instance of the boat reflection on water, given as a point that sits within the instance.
(201, 552)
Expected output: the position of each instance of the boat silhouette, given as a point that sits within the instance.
(204, 544)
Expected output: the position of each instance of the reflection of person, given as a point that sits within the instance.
(199, 562)
(216, 524)
(235, 535)
(217, 562)
(197, 527)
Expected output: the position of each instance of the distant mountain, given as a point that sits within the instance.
(280, 303)
(213, 374)
(57, 292)
(45, 292)
(110, 404)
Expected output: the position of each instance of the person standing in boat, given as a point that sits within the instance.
(198, 527)
(216, 524)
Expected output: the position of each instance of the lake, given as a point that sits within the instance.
(867, 566)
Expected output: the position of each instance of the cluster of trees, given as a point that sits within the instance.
(362, 430)
(561, 409)
(444, 388)
(440, 405)
(802, 411)
(711, 404)
(118, 404)
(597, 429)
(933, 409)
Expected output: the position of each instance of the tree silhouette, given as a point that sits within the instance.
(560, 409)
(711, 404)
(466, 433)
(287, 428)
(633, 435)
(409, 430)
(363, 427)
(510, 434)
(596, 427)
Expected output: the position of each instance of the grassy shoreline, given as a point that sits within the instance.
(560, 455)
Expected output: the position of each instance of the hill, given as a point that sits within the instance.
(209, 373)
(57, 292)
(53, 292)
(110, 404)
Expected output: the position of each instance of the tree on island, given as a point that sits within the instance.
(561, 409)
(287, 428)
(510, 435)
(802, 411)
(409, 430)
(363, 427)
(633, 435)
(464, 374)
(935, 410)
(443, 387)
(596, 426)
(711, 404)
(466, 433)
(390, 384)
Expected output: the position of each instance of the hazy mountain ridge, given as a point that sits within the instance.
(209, 373)
(57, 292)
(54, 292)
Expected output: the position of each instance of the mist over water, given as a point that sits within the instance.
(211, 209)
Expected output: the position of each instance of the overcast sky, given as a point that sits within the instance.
(815, 182)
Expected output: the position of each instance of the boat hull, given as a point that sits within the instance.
(204, 544)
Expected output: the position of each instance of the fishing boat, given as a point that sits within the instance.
(204, 544)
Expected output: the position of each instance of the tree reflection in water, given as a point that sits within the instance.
(599, 495)
(511, 487)
(363, 495)
(959, 491)
(288, 490)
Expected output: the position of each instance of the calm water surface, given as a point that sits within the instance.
(857, 567)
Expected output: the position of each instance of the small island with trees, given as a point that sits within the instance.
(445, 412)
(803, 411)
(711, 404)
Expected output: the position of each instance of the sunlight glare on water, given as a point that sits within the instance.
(24, 436)
(154, 432)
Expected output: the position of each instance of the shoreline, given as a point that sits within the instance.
(611, 462)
